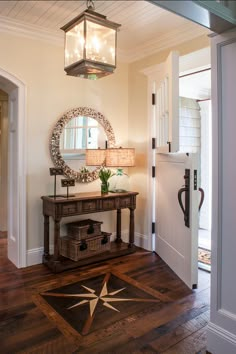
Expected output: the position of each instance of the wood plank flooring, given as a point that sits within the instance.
(178, 326)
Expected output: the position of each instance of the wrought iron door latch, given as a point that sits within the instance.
(186, 190)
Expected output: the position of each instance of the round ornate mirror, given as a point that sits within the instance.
(77, 130)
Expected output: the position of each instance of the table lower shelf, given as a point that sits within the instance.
(117, 250)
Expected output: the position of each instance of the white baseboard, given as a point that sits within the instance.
(34, 255)
(142, 241)
(139, 239)
(219, 340)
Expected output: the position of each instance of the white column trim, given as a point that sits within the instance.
(221, 332)
(219, 198)
(224, 341)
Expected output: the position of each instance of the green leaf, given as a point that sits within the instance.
(105, 174)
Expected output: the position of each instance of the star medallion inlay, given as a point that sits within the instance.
(93, 296)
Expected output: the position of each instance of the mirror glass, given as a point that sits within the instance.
(79, 134)
(77, 130)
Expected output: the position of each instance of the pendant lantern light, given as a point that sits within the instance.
(90, 45)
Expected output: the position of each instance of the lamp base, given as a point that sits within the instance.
(118, 191)
(119, 183)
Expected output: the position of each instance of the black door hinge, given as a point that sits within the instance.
(169, 143)
(153, 171)
(153, 99)
(153, 143)
(153, 227)
(195, 180)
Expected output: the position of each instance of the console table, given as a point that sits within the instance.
(86, 203)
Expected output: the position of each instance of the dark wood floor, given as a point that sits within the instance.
(177, 327)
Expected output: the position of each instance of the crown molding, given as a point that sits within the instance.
(180, 35)
(18, 28)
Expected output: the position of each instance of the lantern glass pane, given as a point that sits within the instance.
(74, 45)
(100, 43)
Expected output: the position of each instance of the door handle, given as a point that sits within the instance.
(202, 198)
(186, 209)
(182, 190)
(185, 189)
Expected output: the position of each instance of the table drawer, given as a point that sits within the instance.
(89, 206)
(125, 202)
(108, 204)
(69, 208)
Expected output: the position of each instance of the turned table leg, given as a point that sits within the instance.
(131, 228)
(56, 239)
(118, 227)
(46, 236)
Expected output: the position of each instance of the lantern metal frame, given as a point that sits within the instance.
(87, 68)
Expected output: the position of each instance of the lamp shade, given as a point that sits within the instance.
(95, 157)
(120, 157)
(90, 45)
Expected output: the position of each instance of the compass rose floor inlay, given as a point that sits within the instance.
(90, 304)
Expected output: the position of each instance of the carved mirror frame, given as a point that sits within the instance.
(54, 144)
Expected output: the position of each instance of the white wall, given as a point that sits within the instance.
(189, 125)
(49, 94)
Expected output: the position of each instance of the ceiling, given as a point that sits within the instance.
(145, 28)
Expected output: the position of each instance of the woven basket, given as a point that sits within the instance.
(79, 249)
(84, 229)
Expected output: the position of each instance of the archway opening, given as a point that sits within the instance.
(15, 186)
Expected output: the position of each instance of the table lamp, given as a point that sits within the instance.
(120, 157)
(95, 157)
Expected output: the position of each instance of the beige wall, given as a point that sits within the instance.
(121, 97)
(49, 94)
(139, 125)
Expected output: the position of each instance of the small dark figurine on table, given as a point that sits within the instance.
(68, 183)
(55, 171)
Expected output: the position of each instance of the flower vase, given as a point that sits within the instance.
(104, 187)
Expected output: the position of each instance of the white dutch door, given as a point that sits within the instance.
(176, 210)
(177, 202)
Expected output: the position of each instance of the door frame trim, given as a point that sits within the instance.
(20, 160)
(148, 72)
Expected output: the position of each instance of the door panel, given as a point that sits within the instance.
(176, 243)
(166, 89)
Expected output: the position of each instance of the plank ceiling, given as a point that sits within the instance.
(145, 28)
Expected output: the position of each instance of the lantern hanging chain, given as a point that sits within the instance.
(90, 4)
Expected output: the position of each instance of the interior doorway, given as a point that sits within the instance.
(15, 207)
(195, 136)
